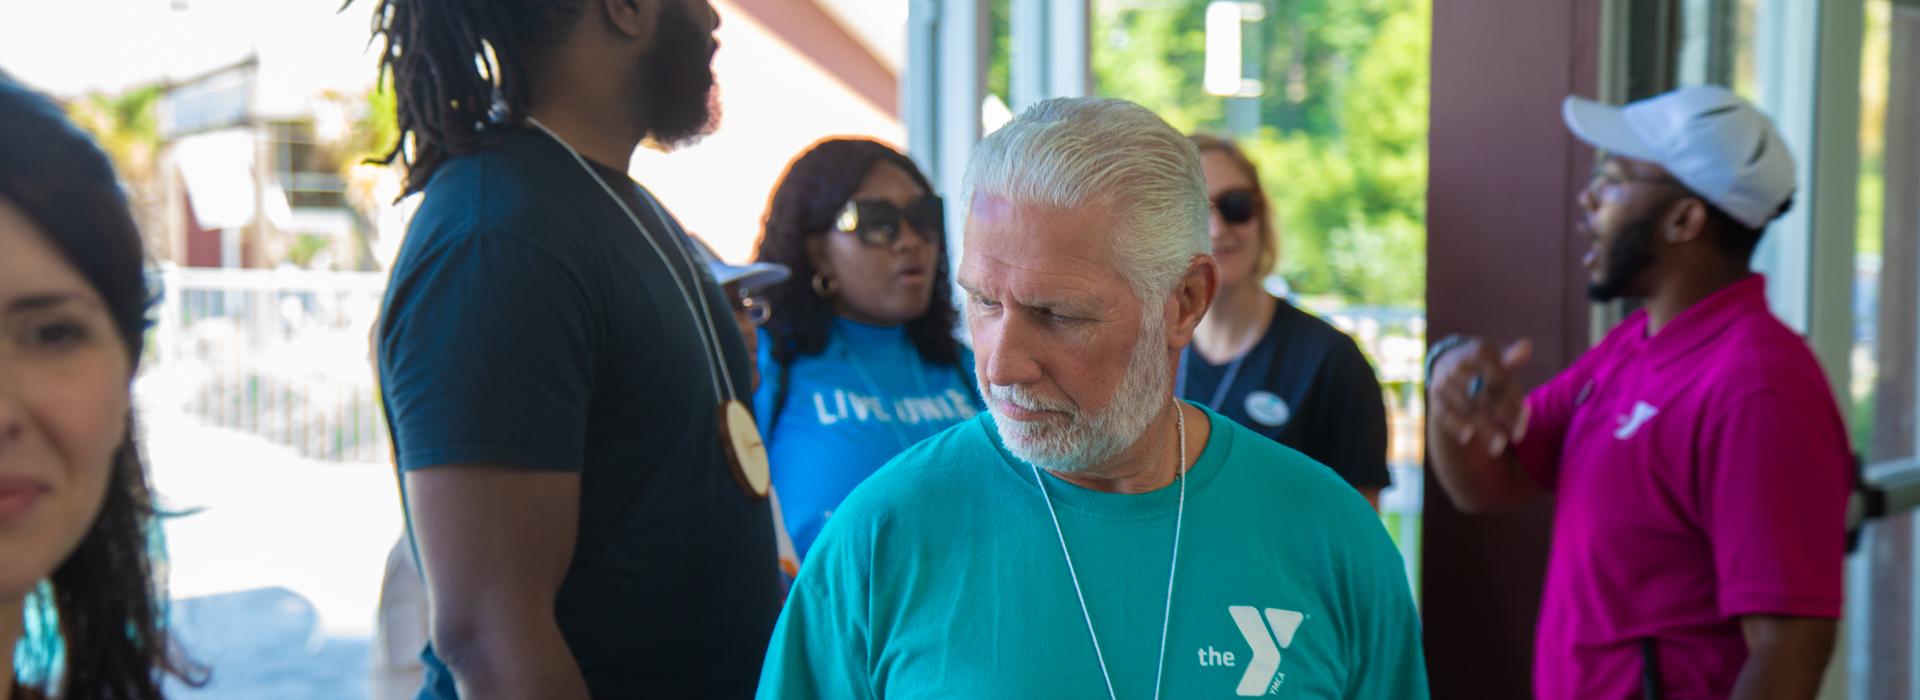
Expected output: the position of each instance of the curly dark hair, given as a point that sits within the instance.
(450, 60)
(110, 608)
(804, 204)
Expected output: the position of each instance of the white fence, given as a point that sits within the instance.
(285, 355)
(280, 354)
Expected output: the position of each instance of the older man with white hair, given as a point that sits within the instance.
(1090, 536)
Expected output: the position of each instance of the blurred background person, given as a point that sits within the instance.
(76, 513)
(860, 362)
(745, 287)
(1267, 364)
(1699, 467)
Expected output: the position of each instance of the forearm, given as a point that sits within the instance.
(495, 545)
(509, 659)
(1477, 481)
(1787, 664)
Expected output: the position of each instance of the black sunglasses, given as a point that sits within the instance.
(1235, 206)
(876, 222)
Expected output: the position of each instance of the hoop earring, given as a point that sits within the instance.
(825, 286)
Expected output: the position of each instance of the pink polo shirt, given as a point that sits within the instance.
(1700, 475)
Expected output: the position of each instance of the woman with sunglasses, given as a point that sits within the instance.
(860, 362)
(1269, 365)
(75, 511)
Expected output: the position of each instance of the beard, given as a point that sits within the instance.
(1630, 255)
(1077, 442)
(678, 99)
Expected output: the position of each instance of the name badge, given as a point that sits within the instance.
(1267, 409)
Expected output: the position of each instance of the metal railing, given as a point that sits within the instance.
(280, 354)
(285, 355)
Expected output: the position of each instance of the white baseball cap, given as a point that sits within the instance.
(1708, 138)
(757, 275)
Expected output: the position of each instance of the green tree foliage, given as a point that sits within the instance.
(1342, 144)
(127, 127)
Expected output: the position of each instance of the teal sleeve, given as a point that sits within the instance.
(819, 646)
(1389, 662)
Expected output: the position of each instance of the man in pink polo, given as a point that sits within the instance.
(1700, 466)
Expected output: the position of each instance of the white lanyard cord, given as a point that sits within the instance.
(710, 337)
(1166, 620)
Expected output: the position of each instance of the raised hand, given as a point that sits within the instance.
(1472, 394)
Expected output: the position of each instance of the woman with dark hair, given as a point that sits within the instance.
(75, 510)
(1273, 367)
(860, 361)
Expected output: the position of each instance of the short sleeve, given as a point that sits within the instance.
(1774, 484)
(1353, 417)
(487, 357)
(1550, 409)
(1388, 661)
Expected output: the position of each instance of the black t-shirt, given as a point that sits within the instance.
(528, 325)
(1306, 385)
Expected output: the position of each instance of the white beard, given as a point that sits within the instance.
(1077, 442)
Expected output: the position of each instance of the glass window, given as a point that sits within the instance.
(1884, 300)
(1884, 357)
(1332, 110)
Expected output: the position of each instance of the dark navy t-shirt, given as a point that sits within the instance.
(529, 325)
(1305, 385)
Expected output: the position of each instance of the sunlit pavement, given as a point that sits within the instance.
(275, 570)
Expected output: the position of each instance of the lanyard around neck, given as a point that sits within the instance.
(1226, 382)
(703, 317)
(1173, 566)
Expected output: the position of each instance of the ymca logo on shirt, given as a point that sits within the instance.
(1630, 424)
(1266, 637)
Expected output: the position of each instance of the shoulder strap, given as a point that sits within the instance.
(1649, 670)
(779, 394)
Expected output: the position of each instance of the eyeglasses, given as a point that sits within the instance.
(876, 222)
(1615, 176)
(1236, 206)
(755, 306)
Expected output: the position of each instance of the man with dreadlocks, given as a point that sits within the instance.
(561, 375)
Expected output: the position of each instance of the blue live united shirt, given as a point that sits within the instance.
(839, 425)
(529, 326)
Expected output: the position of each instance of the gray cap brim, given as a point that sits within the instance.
(751, 275)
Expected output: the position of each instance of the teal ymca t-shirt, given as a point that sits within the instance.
(942, 576)
(863, 400)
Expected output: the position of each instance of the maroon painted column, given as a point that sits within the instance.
(1503, 262)
(1890, 549)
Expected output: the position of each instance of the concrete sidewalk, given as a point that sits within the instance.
(275, 572)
